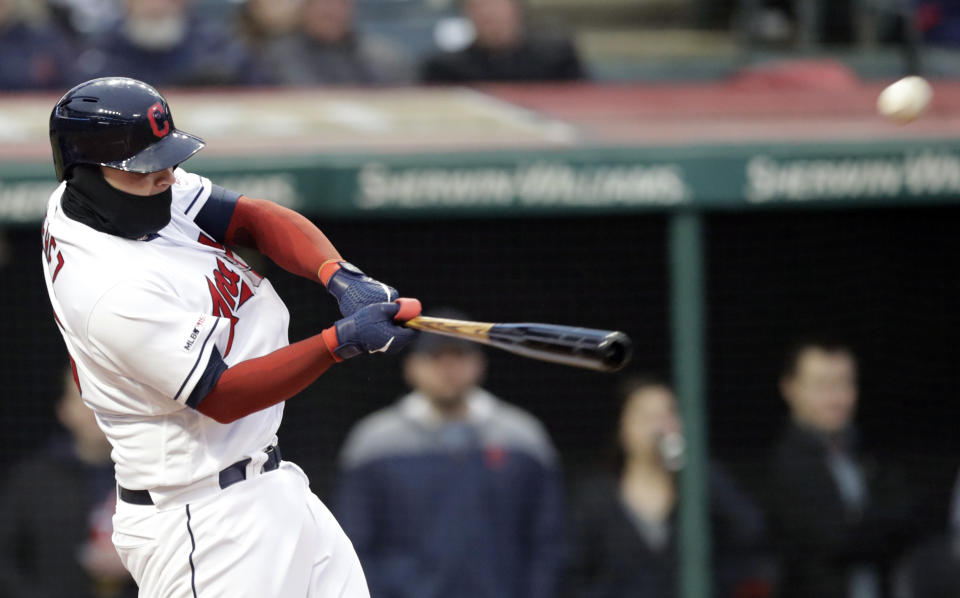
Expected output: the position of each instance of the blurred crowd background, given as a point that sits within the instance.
(810, 452)
(57, 43)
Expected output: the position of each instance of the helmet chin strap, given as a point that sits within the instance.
(91, 200)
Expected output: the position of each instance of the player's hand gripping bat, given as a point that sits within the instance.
(603, 350)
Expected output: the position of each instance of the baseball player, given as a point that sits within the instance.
(181, 350)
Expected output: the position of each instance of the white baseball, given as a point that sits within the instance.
(905, 100)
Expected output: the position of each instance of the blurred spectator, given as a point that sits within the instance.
(931, 570)
(265, 20)
(805, 21)
(626, 532)
(504, 49)
(84, 19)
(451, 491)
(808, 24)
(56, 514)
(837, 521)
(326, 50)
(32, 55)
(939, 21)
(163, 43)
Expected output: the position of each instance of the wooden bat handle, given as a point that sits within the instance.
(475, 331)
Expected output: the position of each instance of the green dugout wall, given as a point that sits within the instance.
(587, 180)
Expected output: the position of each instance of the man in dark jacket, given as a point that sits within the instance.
(939, 20)
(326, 49)
(504, 50)
(835, 519)
(55, 515)
(32, 56)
(452, 492)
(167, 44)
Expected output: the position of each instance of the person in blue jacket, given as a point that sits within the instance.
(33, 56)
(451, 491)
(938, 21)
(167, 44)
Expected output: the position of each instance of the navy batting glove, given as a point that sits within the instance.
(352, 288)
(371, 329)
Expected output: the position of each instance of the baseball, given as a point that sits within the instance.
(905, 100)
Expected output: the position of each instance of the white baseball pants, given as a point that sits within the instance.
(265, 537)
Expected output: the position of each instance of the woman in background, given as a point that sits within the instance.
(626, 524)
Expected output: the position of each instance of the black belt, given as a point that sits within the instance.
(228, 477)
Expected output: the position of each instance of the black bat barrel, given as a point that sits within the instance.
(604, 350)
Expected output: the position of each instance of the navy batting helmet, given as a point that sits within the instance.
(117, 122)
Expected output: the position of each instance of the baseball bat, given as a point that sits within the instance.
(602, 350)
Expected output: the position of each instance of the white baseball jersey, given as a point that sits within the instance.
(143, 320)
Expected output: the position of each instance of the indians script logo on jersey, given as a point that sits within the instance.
(231, 284)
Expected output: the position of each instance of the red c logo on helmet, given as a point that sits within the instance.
(154, 113)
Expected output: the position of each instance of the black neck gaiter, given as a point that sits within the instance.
(90, 199)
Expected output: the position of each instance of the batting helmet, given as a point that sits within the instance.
(117, 122)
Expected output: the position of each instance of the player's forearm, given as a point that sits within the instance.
(256, 384)
(286, 237)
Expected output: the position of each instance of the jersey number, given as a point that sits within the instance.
(51, 253)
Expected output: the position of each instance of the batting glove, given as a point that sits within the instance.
(352, 288)
(372, 329)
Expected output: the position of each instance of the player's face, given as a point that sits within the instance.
(136, 183)
(445, 377)
(648, 414)
(822, 394)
